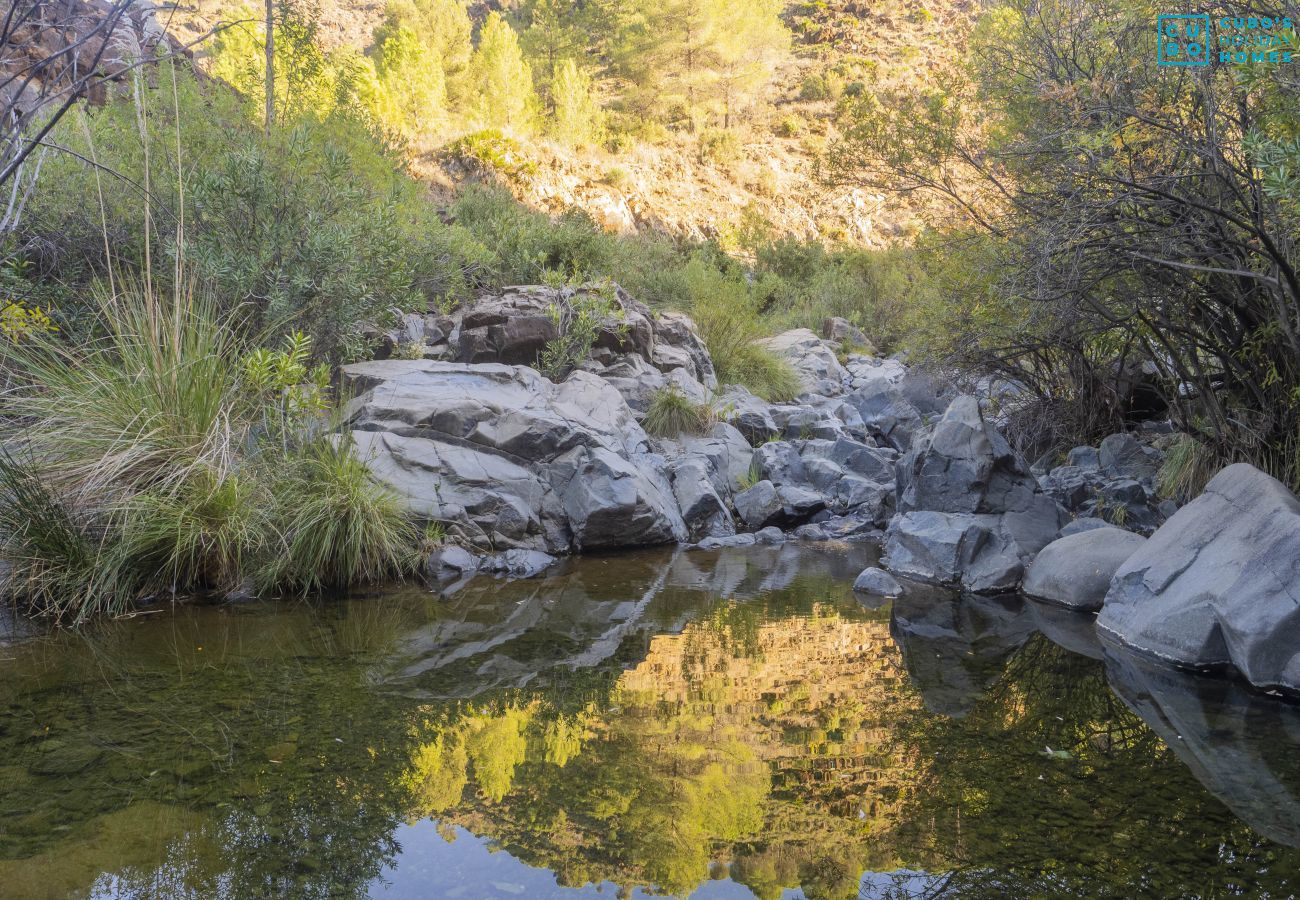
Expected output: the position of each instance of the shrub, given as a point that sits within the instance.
(719, 146)
(672, 413)
(1187, 468)
(166, 458)
(726, 311)
(579, 318)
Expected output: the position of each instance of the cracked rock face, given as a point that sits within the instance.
(509, 460)
(1219, 583)
(970, 511)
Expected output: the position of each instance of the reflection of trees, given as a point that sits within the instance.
(1052, 786)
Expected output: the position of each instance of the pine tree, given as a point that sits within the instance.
(501, 79)
(576, 119)
(413, 97)
(444, 27)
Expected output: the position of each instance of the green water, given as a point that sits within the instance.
(726, 725)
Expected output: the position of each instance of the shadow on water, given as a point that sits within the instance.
(733, 724)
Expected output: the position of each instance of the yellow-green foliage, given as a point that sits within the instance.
(576, 117)
(501, 81)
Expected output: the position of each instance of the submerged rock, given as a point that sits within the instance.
(1219, 583)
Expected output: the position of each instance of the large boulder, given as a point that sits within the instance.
(812, 358)
(1219, 583)
(509, 460)
(1076, 570)
(970, 511)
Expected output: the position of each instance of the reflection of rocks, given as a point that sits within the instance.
(1236, 742)
(490, 634)
(1068, 628)
(956, 647)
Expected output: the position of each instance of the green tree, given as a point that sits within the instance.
(413, 95)
(502, 81)
(554, 37)
(576, 116)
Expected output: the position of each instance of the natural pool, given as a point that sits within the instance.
(728, 724)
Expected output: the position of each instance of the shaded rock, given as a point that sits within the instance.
(750, 415)
(703, 510)
(519, 563)
(845, 333)
(450, 562)
(769, 536)
(1219, 583)
(973, 551)
(759, 505)
(1079, 526)
(1075, 571)
(877, 581)
(886, 414)
(733, 540)
(1125, 456)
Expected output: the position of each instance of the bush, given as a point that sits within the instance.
(719, 146)
(672, 413)
(727, 313)
(167, 459)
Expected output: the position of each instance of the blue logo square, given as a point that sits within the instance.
(1183, 40)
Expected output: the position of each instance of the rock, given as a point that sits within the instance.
(734, 540)
(679, 345)
(759, 505)
(506, 459)
(885, 413)
(779, 462)
(1125, 456)
(450, 562)
(877, 581)
(811, 532)
(519, 563)
(973, 551)
(848, 335)
(1075, 571)
(812, 359)
(1078, 526)
(750, 415)
(970, 511)
(1084, 458)
(769, 536)
(1219, 583)
(703, 510)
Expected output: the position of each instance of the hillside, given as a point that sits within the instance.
(753, 180)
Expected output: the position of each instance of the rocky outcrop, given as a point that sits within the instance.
(1116, 482)
(636, 350)
(1076, 570)
(970, 511)
(812, 358)
(1219, 583)
(508, 460)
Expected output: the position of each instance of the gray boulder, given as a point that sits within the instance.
(703, 510)
(759, 505)
(970, 511)
(1078, 526)
(732, 540)
(451, 562)
(1075, 571)
(519, 563)
(506, 459)
(877, 581)
(1124, 456)
(812, 358)
(1219, 583)
(886, 414)
(750, 415)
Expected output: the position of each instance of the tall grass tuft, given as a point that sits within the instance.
(672, 413)
(1188, 467)
(162, 458)
(727, 314)
(337, 525)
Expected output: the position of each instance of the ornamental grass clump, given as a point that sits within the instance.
(166, 457)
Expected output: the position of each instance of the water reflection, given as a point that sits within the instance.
(732, 724)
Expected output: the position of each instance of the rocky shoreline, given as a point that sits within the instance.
(519, 470)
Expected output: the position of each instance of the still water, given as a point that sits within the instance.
(718, 725)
